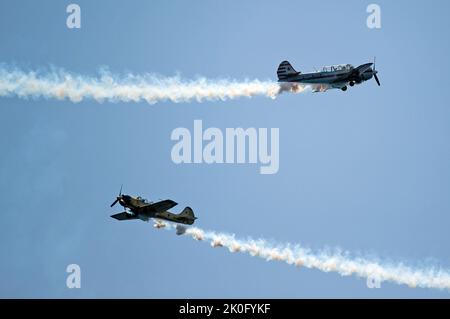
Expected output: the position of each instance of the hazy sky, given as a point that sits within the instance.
(366, 170)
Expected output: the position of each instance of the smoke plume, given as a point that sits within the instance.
(327, 261)
(61, 85)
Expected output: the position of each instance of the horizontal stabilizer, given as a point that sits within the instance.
(123, 216)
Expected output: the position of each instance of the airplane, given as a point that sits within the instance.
(330, 77)
(144, 210)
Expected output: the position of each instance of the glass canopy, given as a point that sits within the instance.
(336, 68)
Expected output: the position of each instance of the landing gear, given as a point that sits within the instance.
(344, 88)
(352, 83)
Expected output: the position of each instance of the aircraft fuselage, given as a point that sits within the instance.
(143, 210)
(331, 77)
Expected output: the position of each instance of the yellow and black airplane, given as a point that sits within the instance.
(144, 210)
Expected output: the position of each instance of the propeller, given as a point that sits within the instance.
(375, 73)
(118, 197)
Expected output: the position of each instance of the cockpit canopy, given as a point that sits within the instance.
(142, 199)
(337, 68)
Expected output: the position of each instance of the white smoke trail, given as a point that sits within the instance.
(59, 84)
(327, 261)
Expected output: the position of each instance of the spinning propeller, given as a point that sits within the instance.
(118, 197)
(375, 73)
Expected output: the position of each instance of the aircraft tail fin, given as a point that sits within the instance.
(187, 212)
(188, 215)
(285, 70)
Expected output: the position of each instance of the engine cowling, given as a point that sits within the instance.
(366, 76)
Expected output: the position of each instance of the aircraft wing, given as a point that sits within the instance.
(159, 206)
(123, 216)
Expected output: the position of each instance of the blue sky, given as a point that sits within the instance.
(366, 170)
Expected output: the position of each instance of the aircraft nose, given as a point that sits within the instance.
(122, 200)
(125, 199)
